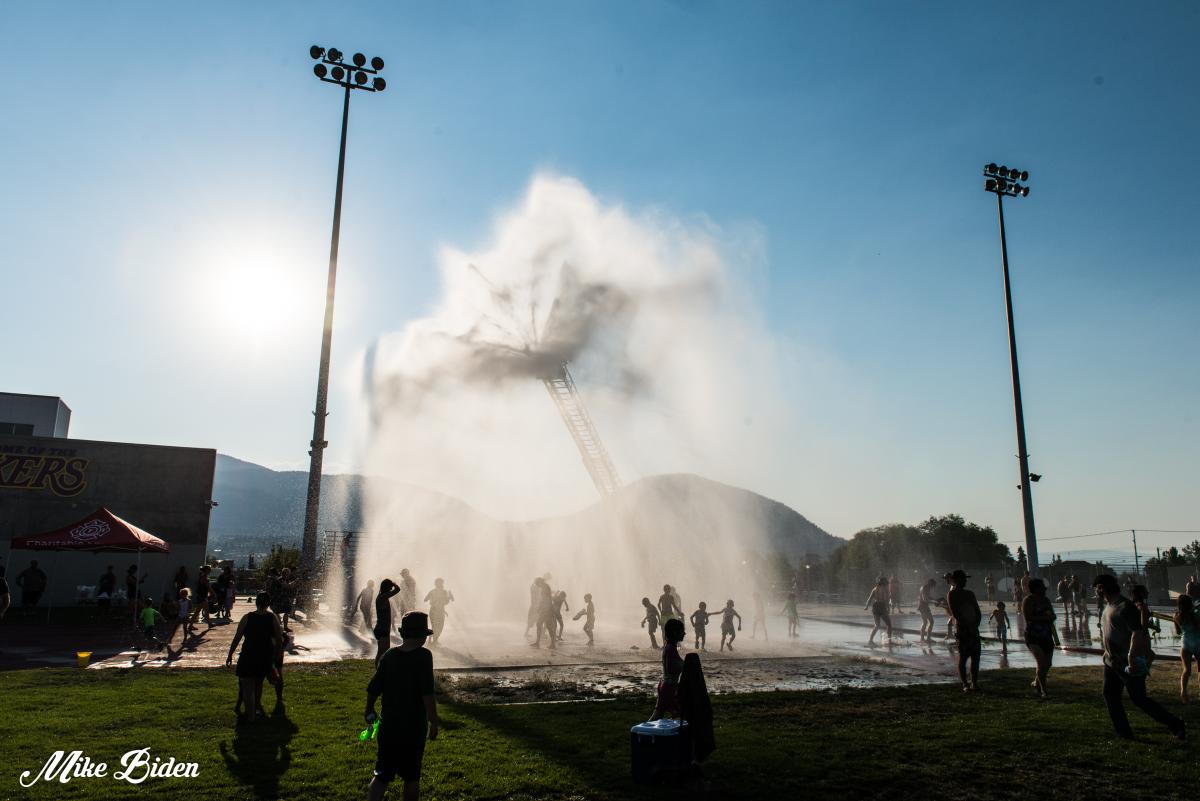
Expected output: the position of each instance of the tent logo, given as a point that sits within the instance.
(91, 530)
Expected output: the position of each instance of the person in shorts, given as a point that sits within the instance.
(588, 612)
(1121, 630)
(699, 620)
(106, 585)
(877, 602)
(727, 616)
(148, 616)
(650, 621)
(32, 581)
(964, 610)
(404, 678)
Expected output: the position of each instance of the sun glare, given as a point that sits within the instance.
(253, 292)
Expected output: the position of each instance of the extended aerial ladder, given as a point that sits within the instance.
(566, 398)
(558, 382)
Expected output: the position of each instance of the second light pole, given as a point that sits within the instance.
(331, 68)
(1003, 181)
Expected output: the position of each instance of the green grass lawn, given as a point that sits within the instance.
(929, 742)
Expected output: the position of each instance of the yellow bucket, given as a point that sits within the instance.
(82, 658)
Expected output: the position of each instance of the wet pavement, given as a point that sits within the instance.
(831, 651)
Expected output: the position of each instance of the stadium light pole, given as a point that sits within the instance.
(1003, 181)
(331, 68)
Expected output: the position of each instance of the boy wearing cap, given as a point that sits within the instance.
(404, 678)
(963, 608)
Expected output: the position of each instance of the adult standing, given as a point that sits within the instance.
(181, 579)
(877, 602)
(894, 588)
(1192, 588)
(1123, 635)
(1066, 596)
(1187, 625)
(362, 603)
(5, 594)
(263, 638)
(284, 604)
(203, 596)
(132, 585)
(989, 584)
(106, 585)
(531, 618)
(220, 587)
(545, 615)
(32, 582)
(760, 617)
(1039, 616)
(408, 593)
(383, 617)
(666, 605)
(438, 598)
(963, 608)
(924, 600)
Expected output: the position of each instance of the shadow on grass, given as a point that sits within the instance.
(261, 753)
(600, 757)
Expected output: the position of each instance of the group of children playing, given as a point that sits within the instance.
(669, 608)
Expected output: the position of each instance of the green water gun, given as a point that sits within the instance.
(372, 729)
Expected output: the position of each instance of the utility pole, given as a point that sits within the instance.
(1137, 565)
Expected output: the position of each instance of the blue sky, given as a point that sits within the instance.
(170, 168)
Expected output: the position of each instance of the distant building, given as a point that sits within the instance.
(48, 481)
(33, 415)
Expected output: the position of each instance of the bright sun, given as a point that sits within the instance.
(253, 294)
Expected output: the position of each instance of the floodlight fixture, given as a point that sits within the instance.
(335, 70)
(1004, 180)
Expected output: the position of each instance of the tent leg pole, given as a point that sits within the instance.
(50, 598)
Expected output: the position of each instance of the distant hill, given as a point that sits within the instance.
(259, 506)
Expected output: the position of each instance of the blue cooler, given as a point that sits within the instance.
(658, 747)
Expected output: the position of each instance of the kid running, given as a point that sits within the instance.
(699, 620)
(1000, 618)
(727, 616)
(650, 621)
(588, 611)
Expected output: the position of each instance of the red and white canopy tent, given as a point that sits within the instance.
(99, 531)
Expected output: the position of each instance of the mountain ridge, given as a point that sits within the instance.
(259, 506)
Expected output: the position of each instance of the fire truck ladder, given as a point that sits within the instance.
(595, 458)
